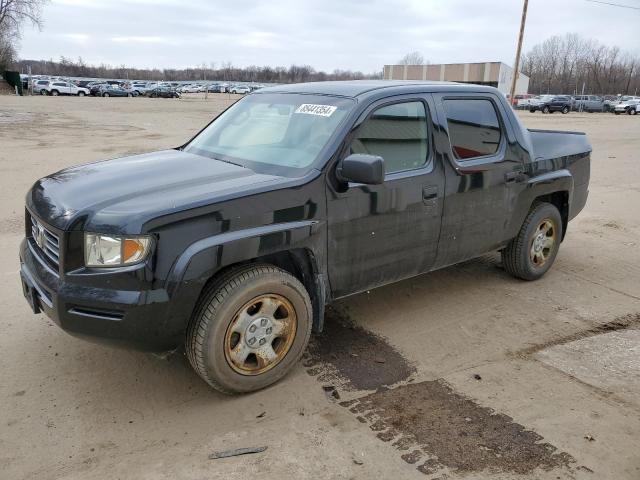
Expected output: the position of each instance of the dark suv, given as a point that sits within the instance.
(233, 243)
(559, 103)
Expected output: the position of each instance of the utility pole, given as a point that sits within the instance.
(516, 66)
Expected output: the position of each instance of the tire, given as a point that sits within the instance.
(532, 110)
(616, 113)
(631, 111)
(105, 94)
(55, 93)
(211, 333)
(129, 95)
(81, 94)
(44, 92)
(519, 256)
(546, 109)
(565, 110)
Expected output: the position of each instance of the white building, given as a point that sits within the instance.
(494, 74)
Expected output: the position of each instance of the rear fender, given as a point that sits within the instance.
(540, 186)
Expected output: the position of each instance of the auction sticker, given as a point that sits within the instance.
(311, 109)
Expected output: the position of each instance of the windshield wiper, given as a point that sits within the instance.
(227, 161)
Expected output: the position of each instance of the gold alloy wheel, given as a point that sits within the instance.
(260, 334)
(543, 242)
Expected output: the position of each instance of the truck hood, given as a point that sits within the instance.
(121, 195)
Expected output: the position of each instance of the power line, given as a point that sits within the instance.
(614, 4)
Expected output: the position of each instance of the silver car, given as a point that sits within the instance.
(630, 106)
(588, 103)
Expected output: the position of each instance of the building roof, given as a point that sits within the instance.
(359, 88)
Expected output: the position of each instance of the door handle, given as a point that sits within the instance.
(516, 176)
(430, 195)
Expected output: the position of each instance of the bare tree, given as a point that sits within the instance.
(13, 14)
(412, 58)
(565, 64)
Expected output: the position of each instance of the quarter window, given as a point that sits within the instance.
(474, 128)
(397, 133)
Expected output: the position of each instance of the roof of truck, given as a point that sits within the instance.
(360, 88)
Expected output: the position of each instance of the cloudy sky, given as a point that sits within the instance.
(327, 34)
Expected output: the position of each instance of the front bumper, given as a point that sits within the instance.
(87, 305)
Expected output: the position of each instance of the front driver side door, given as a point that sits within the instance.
(378, 234)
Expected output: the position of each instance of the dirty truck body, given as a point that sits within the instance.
(404, 179)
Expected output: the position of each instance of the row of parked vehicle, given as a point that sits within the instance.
(628, 104)
(57, 87)
(113, 88)
(218, 88)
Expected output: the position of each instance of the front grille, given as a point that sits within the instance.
(46, 241)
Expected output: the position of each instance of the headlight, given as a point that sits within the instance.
(113, 251)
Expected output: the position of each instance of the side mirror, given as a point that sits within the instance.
(361, 168)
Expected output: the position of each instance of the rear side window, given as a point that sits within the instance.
(397, 133)
(474, 128)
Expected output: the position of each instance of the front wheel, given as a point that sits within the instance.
(533, 251)
(249, 329)
(631, 111)
(565, 110)
(81, 94)
(546, 110)
(105, 94)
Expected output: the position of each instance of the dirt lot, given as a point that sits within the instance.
(463, 373)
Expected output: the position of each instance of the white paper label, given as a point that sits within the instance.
(311, 109)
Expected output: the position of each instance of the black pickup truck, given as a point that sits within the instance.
(233, 243)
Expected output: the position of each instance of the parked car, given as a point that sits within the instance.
(163, 92)
(521, 100)
(112, 90)
(95, 88)
(630, 106)
(588, 103)
(609, 102)
(139, 87)
(191, 88)
(41, 87)
(243, 89)
(233, 243)
(66, 88)
(557, 103)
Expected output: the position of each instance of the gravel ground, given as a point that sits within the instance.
(460, 373)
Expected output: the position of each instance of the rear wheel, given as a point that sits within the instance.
(105, 94)
(631, 111)
(55, 93)
(249, 329)
(532, 252)
(81, 94)
(546, 109)
(565, 110)
(43, 92)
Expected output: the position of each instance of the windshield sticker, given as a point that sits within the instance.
(311, 109)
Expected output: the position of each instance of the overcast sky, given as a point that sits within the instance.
(326, 34)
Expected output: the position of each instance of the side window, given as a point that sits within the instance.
(474, 128)
(397, 133)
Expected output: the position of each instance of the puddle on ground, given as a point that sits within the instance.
(436, 429)
(349, 356)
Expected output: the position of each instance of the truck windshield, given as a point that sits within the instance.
(279, 134)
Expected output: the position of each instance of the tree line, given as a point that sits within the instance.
(226, 71)
(563, 64)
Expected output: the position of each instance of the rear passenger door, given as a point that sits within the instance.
(484, 175)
